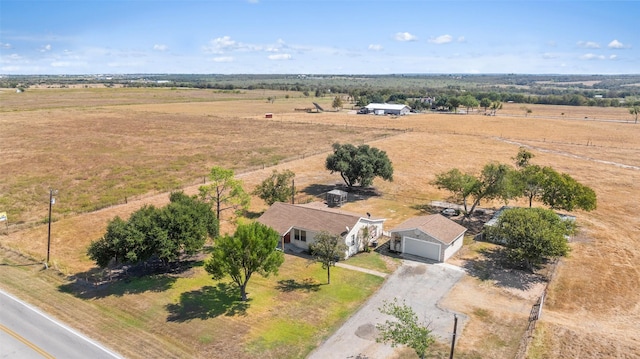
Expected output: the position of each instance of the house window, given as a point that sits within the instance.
(300, 235)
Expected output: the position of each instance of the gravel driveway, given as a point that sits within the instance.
(421, 286)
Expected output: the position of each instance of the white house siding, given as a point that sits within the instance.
(451, 249)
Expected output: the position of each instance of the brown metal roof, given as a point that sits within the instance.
(435, 225)
(282, 216)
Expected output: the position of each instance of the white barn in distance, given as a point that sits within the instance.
(387, 109)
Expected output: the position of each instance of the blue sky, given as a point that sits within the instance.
(319, 37)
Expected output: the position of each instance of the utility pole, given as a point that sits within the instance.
(293, 191)
(453, 341)
(52, 200)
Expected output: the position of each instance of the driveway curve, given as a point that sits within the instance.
(421, 286)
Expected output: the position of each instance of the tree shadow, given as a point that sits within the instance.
(353, 193)
(207, 302)
(426, 208)
(290, 285)
(149, 277)
(493, 265)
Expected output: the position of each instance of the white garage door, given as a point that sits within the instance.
(421, 248)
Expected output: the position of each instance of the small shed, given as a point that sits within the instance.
(268, 115)
(336, 198)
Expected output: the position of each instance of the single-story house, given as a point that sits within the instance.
(432, 237)
(299, 224)
(387, 109)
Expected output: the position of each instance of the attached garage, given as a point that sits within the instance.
(420, 248)
(433, 237)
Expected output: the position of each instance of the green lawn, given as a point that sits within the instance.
(286, 316)
(374, 261)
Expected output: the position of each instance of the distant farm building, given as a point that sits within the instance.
(387, 109)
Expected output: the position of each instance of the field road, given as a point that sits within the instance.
(421, 286)
(26, 333)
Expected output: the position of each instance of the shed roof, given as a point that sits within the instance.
(282, 216)
(435, 225)
(385, 106)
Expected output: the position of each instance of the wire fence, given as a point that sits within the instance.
(535, 314)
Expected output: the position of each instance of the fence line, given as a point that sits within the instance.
(535, 314)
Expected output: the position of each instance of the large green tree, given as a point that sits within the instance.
(327, 250)
(405, 330)
(495, 181)
(531, 235)
(252, 249)
(225, 192)
(276, 188)
(181, 227)
(561, 191)
(359, 165)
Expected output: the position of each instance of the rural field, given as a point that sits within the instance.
(109, 151)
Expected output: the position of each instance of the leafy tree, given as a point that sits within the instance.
(188, 223)
(532, 235)
(563, 192)
(523, 157)
(224, 191)
(635, 110)
(277, 188)
(495, 181)
(460, 184)
(453, 103)
(327, 249)
(495, 106)
(531, 182)
(252, 249)
(337, 103)
(485, 103)
(181, 227)
(406, 330)
(359, 165)
(469, 102)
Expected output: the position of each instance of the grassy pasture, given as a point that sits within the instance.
(592, 306)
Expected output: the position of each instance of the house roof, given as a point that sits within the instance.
(385, 106)
(282, 216)
(435, 225)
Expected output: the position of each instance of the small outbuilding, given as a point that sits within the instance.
(433, 237)
(387, 109)
(336, 198)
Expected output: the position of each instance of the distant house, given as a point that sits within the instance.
(433, 237)
(387, 109)
(299, 224)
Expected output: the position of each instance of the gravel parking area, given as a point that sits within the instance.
(421, 286)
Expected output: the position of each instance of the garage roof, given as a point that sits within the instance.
(435, 225)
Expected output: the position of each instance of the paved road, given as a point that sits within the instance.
(26, 333)
(421, 286)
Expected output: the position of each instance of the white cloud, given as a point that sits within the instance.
(160, 47)
(588, 44)
(5, 45)
(46, 48)
(592, 57)
(405, 36)
(223, 59)
(615, 44)
(375, 47)
(280, 57)
(548, 55)
(442, 39)
(613, 57)
(461, 39)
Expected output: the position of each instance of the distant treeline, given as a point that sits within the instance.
(575, 90)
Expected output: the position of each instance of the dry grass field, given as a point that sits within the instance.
(93, 144)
